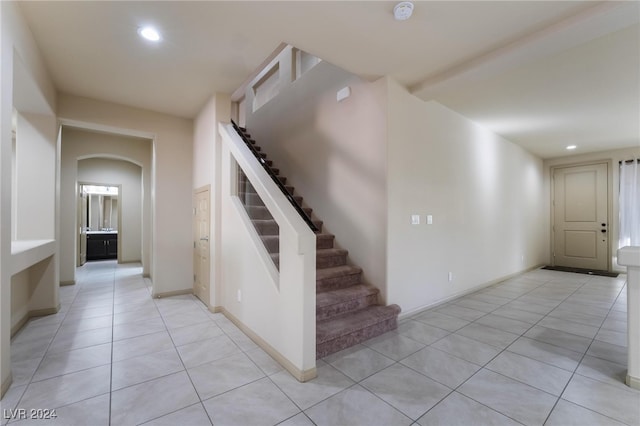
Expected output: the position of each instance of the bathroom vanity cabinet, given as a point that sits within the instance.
(102, 245)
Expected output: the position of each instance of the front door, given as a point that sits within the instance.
(201, 245)
(581, 224)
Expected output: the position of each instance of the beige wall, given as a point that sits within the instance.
(335, 155)
(611, 157)
(25, 85)
(78, 144)
(20, 295)
(366, 164)
(171, 180)
(207, 145)
(486, 196)
(129, 177)
(35, 177)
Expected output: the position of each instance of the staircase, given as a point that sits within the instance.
(347, 310)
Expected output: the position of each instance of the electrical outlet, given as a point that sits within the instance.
(429, 219)
(450, 276)
(415, 219)
(239, 295)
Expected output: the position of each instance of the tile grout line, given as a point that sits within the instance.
(30, 381)
(200, 401)
(498, 354)
(482, 367)
(580, 362)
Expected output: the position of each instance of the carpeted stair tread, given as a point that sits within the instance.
(353, 321)
(337, 272)
(334, 303)
(324, 241)
(258, 212)
(338, 302)
(331, 252)
(337, 277)
(328, 258)
(266, 226)
(271, 242)
(347, 312)
(331, 297)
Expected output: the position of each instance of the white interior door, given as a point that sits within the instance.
(581, 224)
(201, 245)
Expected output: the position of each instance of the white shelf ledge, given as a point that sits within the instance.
(26, 253)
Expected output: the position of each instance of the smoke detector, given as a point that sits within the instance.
(403, 10)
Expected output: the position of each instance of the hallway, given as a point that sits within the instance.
(545, 347)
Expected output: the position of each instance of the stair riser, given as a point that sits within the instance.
(337, 283)
(359, 336)
(327, 312)
(250, 199)
(331, 261)
(272, 244)
(257, 212)
(268, 228)
(324, 243)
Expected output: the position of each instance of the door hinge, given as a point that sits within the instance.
(195, 211)
(194, 278)
(194, 244)
(554, 254)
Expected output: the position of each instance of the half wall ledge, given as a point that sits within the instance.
(26, 253)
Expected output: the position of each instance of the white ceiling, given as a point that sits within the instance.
(543, 74)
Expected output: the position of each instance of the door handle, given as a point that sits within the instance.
(204, 239)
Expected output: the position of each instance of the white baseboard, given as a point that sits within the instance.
(404, 315)
(300, 375)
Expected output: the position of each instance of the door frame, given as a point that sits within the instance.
(205, 188)
(612, 222)
(79, 185)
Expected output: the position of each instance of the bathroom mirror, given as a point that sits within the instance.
(102, 208)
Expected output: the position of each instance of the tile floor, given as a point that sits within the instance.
(545, 347)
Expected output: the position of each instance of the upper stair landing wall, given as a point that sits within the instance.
(335, 153)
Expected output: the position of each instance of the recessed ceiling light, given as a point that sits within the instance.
(149, 33)
(403, 10)
(570, 147)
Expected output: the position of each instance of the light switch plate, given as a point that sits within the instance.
(415, 219)
(429, 219)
